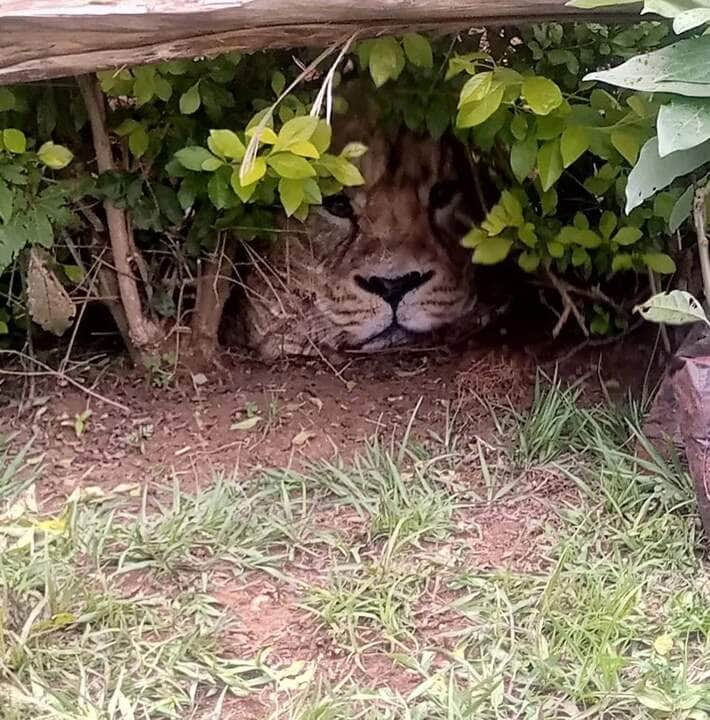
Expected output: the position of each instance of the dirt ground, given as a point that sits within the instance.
(246, 415)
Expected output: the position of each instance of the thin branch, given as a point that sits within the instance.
(699, 214)
(568, 306)
(48, 371)
(142, 331)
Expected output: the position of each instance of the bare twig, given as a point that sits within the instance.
(568, 306)
(48, 371)
(703, 246)
(663, 331)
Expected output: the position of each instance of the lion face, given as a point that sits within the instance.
(375, 266)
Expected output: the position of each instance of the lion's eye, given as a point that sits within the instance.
(338, 205)
(441, 194)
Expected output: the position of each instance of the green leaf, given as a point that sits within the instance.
(653, 173)
(321, 136)
(622, 261)
(266, 135)
(7, 99)
(474, 237)
(549, 163)
(519, 127)
(676, 307)
(659, 262)
(627, 236)
(14, 141)
(138, 141)
(575, 236)
(311, 192)
(144, 85)
(353, 150)
(541, 94)
(343, 171)
(211, 164)
(556, 249)
(245, 191)
(476, 88)
(476, 113)
(163, 89)
(255, 172)
(682, 68)
(607, 224)
(579, 257)
(522, 158)
(74, 273)
(573, 144)
(292, 194)
(580, 221)
(683, 124)
(218, 190)
(226, 144)
(549, 127)
(600, 321)
(126, 127)
(386, 60)
(305, 149)
(628, 143)
(6, 202)
(192, 157)
(288, 165)
(41, 229)
(190, 100)
(54, 156)
(682, 209)
(296, 130)
(418, 50)
(529, 261)
(278, 83)
(691, 19)
(548, 201)
(528, 235)
(492, 250)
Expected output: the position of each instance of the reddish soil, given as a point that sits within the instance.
(310, 411)
(306, 410)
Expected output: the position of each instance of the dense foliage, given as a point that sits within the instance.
(209, 148)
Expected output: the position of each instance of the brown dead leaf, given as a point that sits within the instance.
(48, 303)
(303, 437)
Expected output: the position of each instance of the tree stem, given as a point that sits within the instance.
(142, 331)
(703, 245)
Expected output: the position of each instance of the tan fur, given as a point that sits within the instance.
(305, 293)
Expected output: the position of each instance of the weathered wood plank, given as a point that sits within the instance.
(52, 38)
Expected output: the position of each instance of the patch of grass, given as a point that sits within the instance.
(16, 473)
(615, 624)
(394, 490)
(73, 644)
(369, 605)
(222, 523)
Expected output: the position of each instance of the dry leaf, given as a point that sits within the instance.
(303, 437)
(199, 379)
(48, 303)
(247, 424)
(317, 402)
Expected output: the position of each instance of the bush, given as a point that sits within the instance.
(204, 153)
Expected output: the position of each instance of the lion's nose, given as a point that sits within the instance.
(393, 289)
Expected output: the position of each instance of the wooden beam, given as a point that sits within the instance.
(53, 38)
